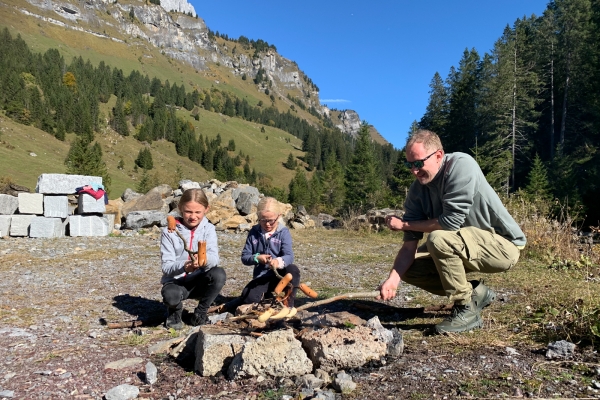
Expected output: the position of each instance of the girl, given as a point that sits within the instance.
(269, 244)
(183, 277)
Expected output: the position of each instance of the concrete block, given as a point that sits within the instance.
(31, 203)
(88, 225)
(19, 224)
(87, 204)
(63, 183)
(56, 206)
(42, 227)
(5, 225)
(8, 204)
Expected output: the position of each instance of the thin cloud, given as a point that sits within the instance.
(334, 101)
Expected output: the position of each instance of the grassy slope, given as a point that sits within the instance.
(267, 155)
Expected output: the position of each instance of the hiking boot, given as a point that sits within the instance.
(174, 319)
(482, 295)
(463, 318)
(199, 318)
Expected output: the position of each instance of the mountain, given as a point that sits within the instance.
(170, 42)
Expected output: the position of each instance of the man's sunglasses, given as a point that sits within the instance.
(418, 164)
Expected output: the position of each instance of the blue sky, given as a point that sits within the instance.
(375, 57)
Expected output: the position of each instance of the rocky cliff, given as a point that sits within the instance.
(176, 29)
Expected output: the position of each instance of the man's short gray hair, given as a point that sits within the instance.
(430, 140)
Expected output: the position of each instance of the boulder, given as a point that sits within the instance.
(276, 354)
(31, 203)
(56, 206)
(151, 201)
(129, 195)
(8, 204)
(145, 219)
(234, 222)
(215, 348)
(246, 203)
(63, 183)
(334, 349)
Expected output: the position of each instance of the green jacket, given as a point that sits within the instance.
(460, 196)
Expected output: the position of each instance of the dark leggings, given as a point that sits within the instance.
(263, 286)
(205, 287)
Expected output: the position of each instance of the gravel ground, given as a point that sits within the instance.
(56, 293)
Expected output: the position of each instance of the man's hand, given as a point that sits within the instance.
(394, 223)
(388, 289)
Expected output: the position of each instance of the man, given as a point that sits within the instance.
(469, 229)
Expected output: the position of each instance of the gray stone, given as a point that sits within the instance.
(56, 206)
(185, 185)
(88, 225)
(276, 354)
(7, 394)
(145, 219)
(309, 381)
(215, 348)
(153, 200)
(343, 383)
(31, 203)
(123, 363)
(560, 349)
(63, 183)
(87, 204)
(392, 338)
(8, 204)
(250, 190)
(129, 195)
(245, 203)
(325, 395)
(5, 225)
(42, 227)
(122, 392)
(19, 225)
(333, 349)
(151, 373)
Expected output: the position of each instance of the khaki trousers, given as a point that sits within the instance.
(442, 263)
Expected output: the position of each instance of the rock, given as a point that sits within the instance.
(215, 348)
(187, 184)
(122, 392)
(88, 225)
(343, 383)
(145, 219)
(7, 394)
(392, 338)
(19, 225)
(153, 200)
(324, 376)
(56, 206)
(31, 203)
(162, 347)
(309, 381)
(8, 204)
(5, 225)
(333, 349)
(248, 191)
(129, 195)
(220, 211)
(63, 183)
(151, 373)
(13, 189)
(342, 319)
(325, 395)
(246, 203)
(560, 349)
(87, 204)
(234, 222)
(276, 354)
(42, 227)
(123, 363)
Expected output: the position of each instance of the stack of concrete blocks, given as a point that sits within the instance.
(46, 213)
(89, 220)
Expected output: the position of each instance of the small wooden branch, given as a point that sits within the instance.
(372, 294)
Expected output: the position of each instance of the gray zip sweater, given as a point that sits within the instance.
(460, 196)
(174, 256)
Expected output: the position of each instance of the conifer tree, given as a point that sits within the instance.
(291, 162)
(538, 186)
(362, 180)
(299, 191)
(85, 158)
(144, 159)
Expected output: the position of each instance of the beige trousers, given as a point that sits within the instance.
(442, 263)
